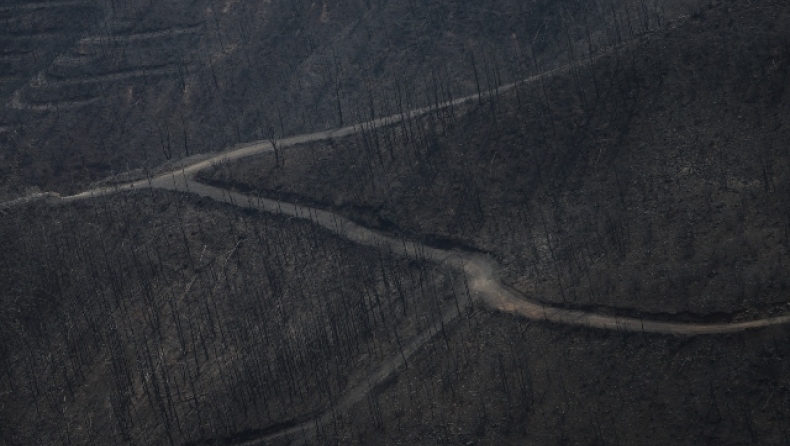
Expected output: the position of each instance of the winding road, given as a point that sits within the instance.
(480, 271)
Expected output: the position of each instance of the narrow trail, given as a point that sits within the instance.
(43, 5)
(19, 102)
(113, 77)
(387, 369)
(125, 38)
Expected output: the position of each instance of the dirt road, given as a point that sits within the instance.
(480, 271)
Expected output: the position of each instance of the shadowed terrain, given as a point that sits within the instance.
(433, 223)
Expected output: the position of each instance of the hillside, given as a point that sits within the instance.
(653, 178)
(92, 88)
(162, 319)
(394, 222)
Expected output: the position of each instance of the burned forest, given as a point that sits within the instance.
(375, 222)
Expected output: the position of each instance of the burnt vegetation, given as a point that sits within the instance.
(625, 157)
(132, 84)
(158, 318)
(652, 177)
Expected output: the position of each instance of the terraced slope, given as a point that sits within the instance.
(97, 87)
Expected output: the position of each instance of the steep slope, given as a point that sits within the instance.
(158, 318)
(648, 176)
(495, 380)
(652, 178)
(98, 87)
